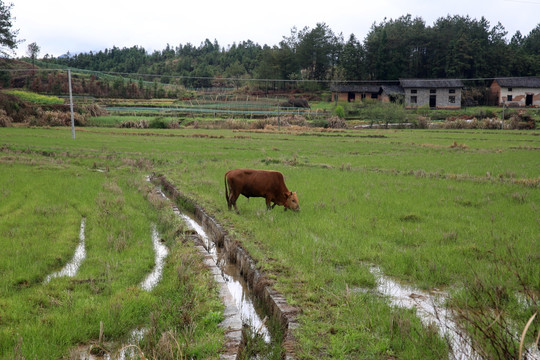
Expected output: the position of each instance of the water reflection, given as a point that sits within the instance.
(71, 268)
(161, 253)
(235, 282)
(430, 309)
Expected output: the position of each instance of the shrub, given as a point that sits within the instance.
(336, 122)
(5, 120)
(323, 123)
(522, 121)
(339, 112)
(18, 111)
(489, 124)
(93, 110)
(458, 124)
(158, 123)
(174, 125)
(484, 113)
(420, 122)
(56, 118)
(235, 124)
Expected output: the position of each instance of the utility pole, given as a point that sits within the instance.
(71, 105)
(502, 122)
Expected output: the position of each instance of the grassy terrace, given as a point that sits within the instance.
(452, 210)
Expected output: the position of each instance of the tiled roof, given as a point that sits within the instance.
(357, 88)
(392, 89)
(431, 83)
(525, 82)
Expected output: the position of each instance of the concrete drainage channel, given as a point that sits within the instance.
(234, 261)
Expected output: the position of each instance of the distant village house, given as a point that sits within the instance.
(433, 93)
(516, 92)
(352, 93)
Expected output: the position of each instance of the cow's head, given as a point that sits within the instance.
(292, 202)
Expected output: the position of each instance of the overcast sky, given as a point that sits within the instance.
(59, 26)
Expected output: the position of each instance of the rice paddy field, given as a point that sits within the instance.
(453, 212)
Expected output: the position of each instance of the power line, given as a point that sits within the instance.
(187, 77)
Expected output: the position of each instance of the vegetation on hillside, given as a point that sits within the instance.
(454, 46)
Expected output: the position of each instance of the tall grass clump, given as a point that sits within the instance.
(495, 312)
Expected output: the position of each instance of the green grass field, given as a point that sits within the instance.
(43, 199)
(452, 210)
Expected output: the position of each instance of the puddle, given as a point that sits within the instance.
(71, 268)
(161, 252)
(130, 349)
(234, 281)
(430, 309)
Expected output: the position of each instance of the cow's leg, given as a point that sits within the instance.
(233, 197)
(268, 202)
(229, 205)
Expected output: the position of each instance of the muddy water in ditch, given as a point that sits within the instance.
(235, 282)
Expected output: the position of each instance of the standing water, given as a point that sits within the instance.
(129, 351)
(235, 282)
(430, 309)
(148, 284)
(161, 252)
(71, 268)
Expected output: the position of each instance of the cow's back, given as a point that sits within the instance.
(256, 183)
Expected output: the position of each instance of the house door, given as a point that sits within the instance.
(432, 101)
(529, 100)
(351, 96)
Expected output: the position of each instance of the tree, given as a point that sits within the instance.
(33, 51)
(352, 59)
(8, 37)
(397, 48)
(318, 51)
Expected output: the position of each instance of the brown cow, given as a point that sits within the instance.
(259, 183)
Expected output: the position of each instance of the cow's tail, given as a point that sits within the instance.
(227, 192)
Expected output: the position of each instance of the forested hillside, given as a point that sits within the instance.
(453, 47)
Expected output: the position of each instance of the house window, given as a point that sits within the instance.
(452, 91)
(509, 89)
(432, 91)
(374, 96)
(452, 99)
(509, 98)
(413, 91)
(414, 99)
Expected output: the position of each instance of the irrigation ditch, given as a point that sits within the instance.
(242, 286)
